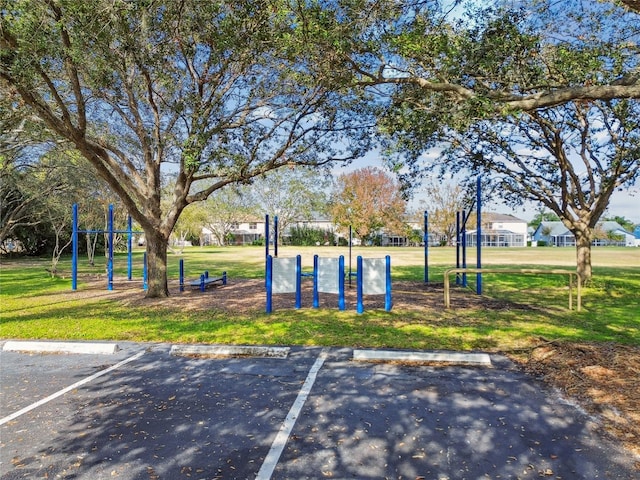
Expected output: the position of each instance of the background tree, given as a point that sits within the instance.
(368, 200)
(543, 216)
(37, 177)
(442, 201)
(188, 228)
(68, 172)
(225, 209)
(625, 223)
(22, 187)
(210, 90)
(293, 194)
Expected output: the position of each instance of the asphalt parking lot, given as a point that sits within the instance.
(148, 411)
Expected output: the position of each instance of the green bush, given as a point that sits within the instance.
(305, 236)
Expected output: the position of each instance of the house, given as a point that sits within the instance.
(252, 230)
(608, 233)
(553, 233)
(499, 230)
(240, 233)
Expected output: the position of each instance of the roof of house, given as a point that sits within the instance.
(558, 229)
(555, 229)
(501, 217)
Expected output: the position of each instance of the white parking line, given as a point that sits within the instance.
(59, 393)
(271, 460)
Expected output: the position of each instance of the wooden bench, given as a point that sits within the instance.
(205, 280)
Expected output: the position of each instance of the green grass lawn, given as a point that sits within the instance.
(34, 305)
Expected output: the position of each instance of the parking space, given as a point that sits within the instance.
(144, 413)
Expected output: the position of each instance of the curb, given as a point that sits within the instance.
(423, 357)
(61, 347)
(229, 351)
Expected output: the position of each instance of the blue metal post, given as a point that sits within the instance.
(110, 260)
(269, 280)
(463, 234)
(129, 248)
(426, 247)
(298, 281)
(145, 272)
(316, 295)
(74, 249)
(457, 246)
(266, 238)
(359, 279)
(182, 274)
(275, 236)
(341, 302)
(387, 297)
(478, 235)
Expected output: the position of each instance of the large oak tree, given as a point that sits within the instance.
(482, 78)
(205, 90)
(570, 155)
(431, 46)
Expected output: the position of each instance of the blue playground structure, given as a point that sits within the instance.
(426, 247)
(373, 277)
(204, 281)
(110, 233)
(461, 239)
(328, 277)
(284, 275)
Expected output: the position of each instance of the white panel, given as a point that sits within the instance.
(284, 275)
(328, 275)
(373, 276)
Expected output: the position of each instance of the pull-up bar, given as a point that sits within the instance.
(110, 231)
(461, 239)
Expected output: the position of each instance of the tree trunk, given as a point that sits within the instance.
(583, 252)
(156, 265)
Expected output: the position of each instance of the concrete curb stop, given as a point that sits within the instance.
(229, 351)
(61, 347)
(482, 359)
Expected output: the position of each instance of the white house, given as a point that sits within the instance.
(242, 233)
(499, 230)
(555, 233)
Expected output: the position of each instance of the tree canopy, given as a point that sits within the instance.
(368, 200)
(484, 59)
(210, 90)
(568, 155)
